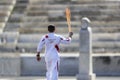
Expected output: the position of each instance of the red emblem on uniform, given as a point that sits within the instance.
(57, 48)
(46, 36)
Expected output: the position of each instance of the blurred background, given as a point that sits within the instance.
(24, 22)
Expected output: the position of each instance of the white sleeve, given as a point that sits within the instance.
(41, 44)
(65, 40)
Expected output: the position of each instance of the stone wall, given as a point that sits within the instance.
(102, 65)
(10, 65)
(26, 65)
(106, 65)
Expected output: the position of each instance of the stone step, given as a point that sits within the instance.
(100, 37)
(4, 13)
(104, 37)
(96, 5)
(5, 8)
(84, 2)
(32, 48)
(105, 48)
(73, 9)
(100, 47)
(10, 38)
(83, 7)
(16, 15)
(96, 44)
(114, 49)
(110, 47)
(56, 13)
(26, 47)
(62, 28)
(93, 23)
(96, 48)
(38, 7)
(92, 10)
(6, 2)
(34, 24)
(10, 48)
(106, 23)
(45, 24)
(36, 13)
(36, 38)
(14, 27)
(30, 38)
(75, 43)
(2, 24)
(35, 2)
(35, 9)
(10, 34)
(19, 9)
(42, 26)
(102, 1)
(111, 24)
(35, 19)
(110, 29)
(20, 6)
(43, 29)
(97, 37)
(75, 40)
(22, 1)
(14, 20)
(39, 29)
(3, 19)
(106, 18)
(60, 1)
(60, 16)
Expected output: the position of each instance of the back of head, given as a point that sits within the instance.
(51, 28)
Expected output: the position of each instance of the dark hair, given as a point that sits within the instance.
(51, 28)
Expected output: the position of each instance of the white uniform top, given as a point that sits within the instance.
(52, 42)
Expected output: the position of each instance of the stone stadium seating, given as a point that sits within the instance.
(8, 41)
(15, 19)
(35, 17)
(6, 7)
(31, 18)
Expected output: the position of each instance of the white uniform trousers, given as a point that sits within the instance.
(52, 69)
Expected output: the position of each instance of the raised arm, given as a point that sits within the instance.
(67, 40)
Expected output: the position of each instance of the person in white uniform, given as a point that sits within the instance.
(52, 58)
